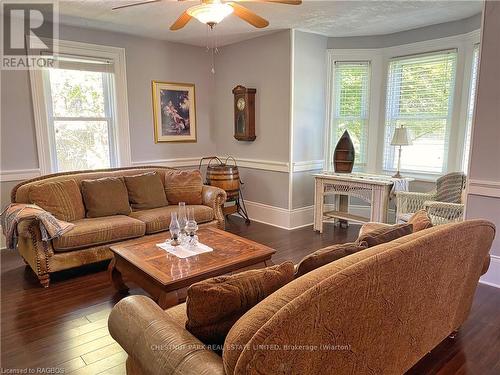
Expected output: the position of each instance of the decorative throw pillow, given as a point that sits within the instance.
(183, 186)
(385, 234)
(420, 220)
(62, 199)
(371, 226)
(105, 197)
(327, 255)
(145, 191)
(214, 305)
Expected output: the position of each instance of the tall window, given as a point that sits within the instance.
(420, 93)
(351, 89)
(80, 107)
(470, 108)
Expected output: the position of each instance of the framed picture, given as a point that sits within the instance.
(174, 112)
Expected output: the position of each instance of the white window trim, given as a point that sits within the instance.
(375, 58)
(379, 58)
(122, 136)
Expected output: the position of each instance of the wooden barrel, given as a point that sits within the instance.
(225, 177)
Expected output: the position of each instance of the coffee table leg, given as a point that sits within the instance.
(115, 277)
(168, 299)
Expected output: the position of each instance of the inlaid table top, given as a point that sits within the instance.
(230, 252)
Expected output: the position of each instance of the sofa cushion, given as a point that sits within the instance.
(158, 219)
(145, 191)
(105, 197)
(420, 220)
(327, 255)
(62, 199)
(385, 234)
(98, 231)
(371, 226)
(183, 186)
(214, 305)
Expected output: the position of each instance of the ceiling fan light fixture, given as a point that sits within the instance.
(210, 13)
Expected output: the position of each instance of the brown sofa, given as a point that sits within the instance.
(89, 241)
(378, 311)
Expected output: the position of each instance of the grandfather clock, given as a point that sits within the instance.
(244, 113)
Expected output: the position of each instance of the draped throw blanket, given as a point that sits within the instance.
(50, 227)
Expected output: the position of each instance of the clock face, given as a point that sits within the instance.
(240, 104)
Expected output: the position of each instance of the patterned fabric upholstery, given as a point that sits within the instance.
(215, 304)
(61, 198)
(449, 187)
(158, 219)
(183, 186)
(98, 231)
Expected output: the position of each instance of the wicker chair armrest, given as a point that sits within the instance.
(444, 212)
(410, 202)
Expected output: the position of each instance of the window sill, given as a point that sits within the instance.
(417, 176)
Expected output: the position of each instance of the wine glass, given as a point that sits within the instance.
(191, 227)
(182, 220)
(175, 229)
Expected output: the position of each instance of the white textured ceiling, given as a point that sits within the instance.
(330, 18)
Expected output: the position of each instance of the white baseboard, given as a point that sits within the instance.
(492, 277)
(292, 219)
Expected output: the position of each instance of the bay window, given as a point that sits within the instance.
(470, 108)
(420, 91)
(351, 89)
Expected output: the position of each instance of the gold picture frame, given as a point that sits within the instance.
(174, 112)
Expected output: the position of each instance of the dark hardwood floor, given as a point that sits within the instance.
(65, 326)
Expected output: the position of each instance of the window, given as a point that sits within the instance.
(470, 108)
(351, 88)
(420, 92)
(80, 99)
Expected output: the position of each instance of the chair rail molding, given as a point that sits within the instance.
(19, 174)
(307, 165)
(266, 165)
(487, 188)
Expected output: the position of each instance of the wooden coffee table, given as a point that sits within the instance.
(166, 277)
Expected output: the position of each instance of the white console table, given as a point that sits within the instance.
(375, 189)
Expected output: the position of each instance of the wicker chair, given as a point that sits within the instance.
(443, 205)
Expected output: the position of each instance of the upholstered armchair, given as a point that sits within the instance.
(443, 205)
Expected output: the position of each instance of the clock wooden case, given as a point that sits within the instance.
(244, 113)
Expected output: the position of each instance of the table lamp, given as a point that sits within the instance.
(400, 138)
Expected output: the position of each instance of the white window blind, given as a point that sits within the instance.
(351, 89)
(420, 93)
(470, 108)
(80, 101)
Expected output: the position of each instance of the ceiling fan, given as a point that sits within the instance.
(212, 12)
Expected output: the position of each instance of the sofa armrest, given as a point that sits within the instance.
(34, 250)
(214, 198)
(155, 344)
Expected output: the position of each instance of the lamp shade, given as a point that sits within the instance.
(401, 137)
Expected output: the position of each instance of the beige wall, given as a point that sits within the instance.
(264, 64)
(441, 30)
(309, 93)
(146, 60)
(484, 183)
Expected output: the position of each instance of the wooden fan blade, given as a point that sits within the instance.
(287, 2)
(135, 4)
(247, 15)
(181, 21)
